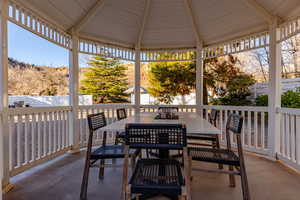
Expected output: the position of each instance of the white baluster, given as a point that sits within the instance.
(26, 135)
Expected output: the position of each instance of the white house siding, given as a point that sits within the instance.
(286, 85)
(38, 101)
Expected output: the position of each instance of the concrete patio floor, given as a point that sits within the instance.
(61, 180)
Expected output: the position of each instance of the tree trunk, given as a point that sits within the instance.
(205, 94)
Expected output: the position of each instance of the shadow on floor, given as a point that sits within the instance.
(61, 179)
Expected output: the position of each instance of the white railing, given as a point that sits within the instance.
(110, 114)
(290, 137)
(255, 126)
(36, 135)
(40, 134)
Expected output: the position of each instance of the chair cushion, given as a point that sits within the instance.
(111, 151)
(222, 156)
(160, 176)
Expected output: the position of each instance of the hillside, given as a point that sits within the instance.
(28, 79)
(33, 80)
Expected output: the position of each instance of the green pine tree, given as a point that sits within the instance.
(106, 80)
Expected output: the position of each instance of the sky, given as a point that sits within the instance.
(27, 47)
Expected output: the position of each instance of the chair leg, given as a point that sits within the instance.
(218, 147)
(85, 180)
(231, 177)
(128, 193)
(190, 168)
(182, 197)
(215, 146)
(187, 173)
(117, 138)
(116, 143)
(101, 169)
(244, 182)
(133, 158)
(137, 196)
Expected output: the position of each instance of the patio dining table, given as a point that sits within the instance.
(195, 124)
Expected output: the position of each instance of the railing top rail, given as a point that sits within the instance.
(32, 110)
(105, 106)
(292, 111)
(239, 108)
(157, 106)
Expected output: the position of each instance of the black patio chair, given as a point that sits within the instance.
(102, 153)
(211, 140)
(167, 109)
(226, 156)
(161, 176)
(121, 114)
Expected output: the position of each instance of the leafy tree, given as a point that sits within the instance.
(224, 77)
(221, 75)
(105, 80)
(169, 79)
(227, 81)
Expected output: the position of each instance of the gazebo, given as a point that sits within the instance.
(139, 31)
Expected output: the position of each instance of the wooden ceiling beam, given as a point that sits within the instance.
(268, 16)
(189, 8)
(143, 24)
(84, 19)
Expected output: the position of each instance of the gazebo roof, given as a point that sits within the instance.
(163, 23)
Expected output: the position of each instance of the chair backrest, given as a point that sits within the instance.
(96, 121)
(168, 109)
(213, 116)
(234, 124)
(121, 113)
(156, 136)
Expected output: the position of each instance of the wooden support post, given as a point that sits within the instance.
(199, 58)
(274, 90)
(137, 81)
(74, 82)
(4, 135)
(199, 80)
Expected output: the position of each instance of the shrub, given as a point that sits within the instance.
(261, 100)
(233, 99)
(289, 99)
